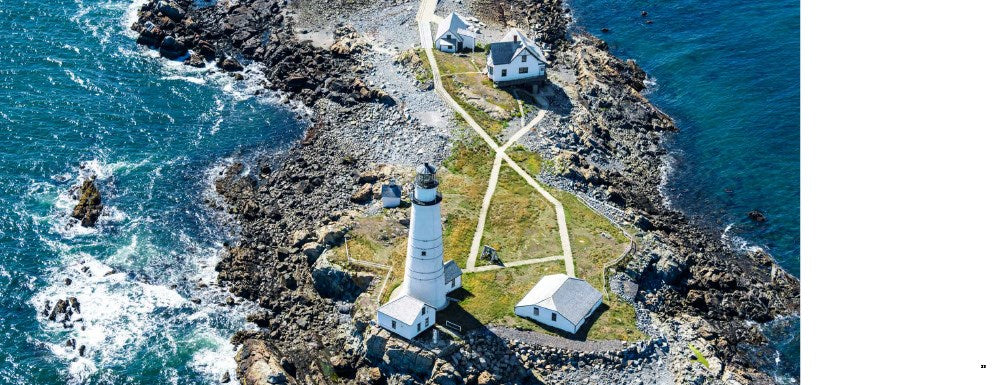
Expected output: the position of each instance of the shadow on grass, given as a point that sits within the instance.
(556, 98)
(454, 314)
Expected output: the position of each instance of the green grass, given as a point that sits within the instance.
(463, 185)
(528, 160)
(494, 293)
(457, 73)
(520, 224)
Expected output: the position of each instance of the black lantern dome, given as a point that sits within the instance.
(425, 176)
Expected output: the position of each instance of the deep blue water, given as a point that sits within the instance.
(79, 98)
(728, 72)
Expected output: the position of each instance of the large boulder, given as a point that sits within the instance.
(408, 359)
(331, 281)
(231, 65)
(172, 49)
(171, 10)
(331, 235)
(89, 208)
(259, 363)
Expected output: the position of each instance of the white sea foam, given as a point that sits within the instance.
(115, 313)
(737, 242)
(190, 79)
(214, 361)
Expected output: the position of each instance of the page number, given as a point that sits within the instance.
(982, 366)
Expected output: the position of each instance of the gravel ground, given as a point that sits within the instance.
(536, 338)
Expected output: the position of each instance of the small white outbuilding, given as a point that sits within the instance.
(560, 301)
(391, 194)
(406, 316)
(454, 35)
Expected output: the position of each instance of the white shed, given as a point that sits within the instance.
(454, 35)
(406, 316)
(515, 60)
(452, 276)
(560, 301)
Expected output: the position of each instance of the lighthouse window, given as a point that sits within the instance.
(423, 253)
(536, 311)
(553, 316)
(393, 324)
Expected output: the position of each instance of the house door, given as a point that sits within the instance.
(459, 45)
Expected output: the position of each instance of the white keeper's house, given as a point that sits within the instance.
(560, 301)
(427, 279)
(514, 60)
(454, 35)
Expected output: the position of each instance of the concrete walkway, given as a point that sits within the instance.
(425, 14)
(513, 264)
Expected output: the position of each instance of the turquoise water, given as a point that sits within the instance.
(78, 98)
(728, 72)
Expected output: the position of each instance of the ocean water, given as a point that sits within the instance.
(78, 99)
(728, 72)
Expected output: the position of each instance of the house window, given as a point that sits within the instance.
(393, 324)
(553, 316)
(490, 69)
(522, 70)
(503, 72)
(423, 310)
(451, 282)
(524, 58)
(449, 36)
(427, 322)
(536, 312)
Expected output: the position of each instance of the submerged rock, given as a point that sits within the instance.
(89, 208)
(757, 216)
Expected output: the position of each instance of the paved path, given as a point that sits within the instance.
(425, 14)
(513, 264)
(477, 239)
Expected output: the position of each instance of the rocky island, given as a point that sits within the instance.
(374, 110)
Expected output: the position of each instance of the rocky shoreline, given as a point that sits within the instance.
(608, 141)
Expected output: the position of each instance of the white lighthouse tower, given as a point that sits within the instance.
(424, 278)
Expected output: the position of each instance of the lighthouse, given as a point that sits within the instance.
(424, 278)
(427, 279)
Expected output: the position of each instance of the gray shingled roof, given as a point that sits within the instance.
(405, 309)
(503, 52)
(451, 271)
(453, 22)
(571, 297)
(391, 191)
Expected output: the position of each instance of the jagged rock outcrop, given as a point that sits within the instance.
(256, 31)
(258, 363)
(89, 207)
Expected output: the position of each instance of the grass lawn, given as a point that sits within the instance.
(463, 185)
(521, 224)
(462, 72)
